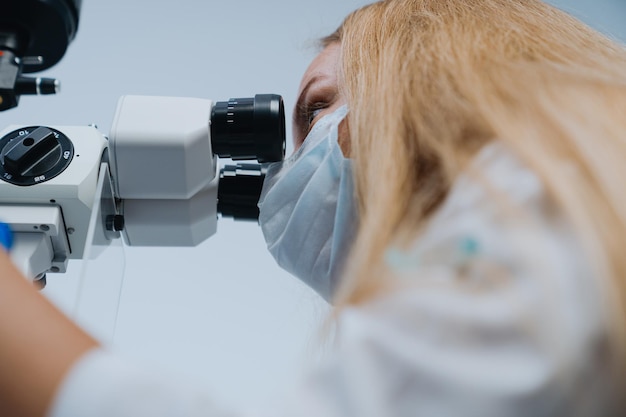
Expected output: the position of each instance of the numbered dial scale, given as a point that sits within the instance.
(33, 155)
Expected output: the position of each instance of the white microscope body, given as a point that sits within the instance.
(168, 187)
(156, 181)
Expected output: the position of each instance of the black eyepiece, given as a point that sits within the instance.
(249, 128)
(239, 191)
(44, 28)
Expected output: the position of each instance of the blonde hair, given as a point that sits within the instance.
(429, 82)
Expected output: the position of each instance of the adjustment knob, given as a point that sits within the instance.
(32, 155)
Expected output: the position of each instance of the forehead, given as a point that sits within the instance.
(325, 65)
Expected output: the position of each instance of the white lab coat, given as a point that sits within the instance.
(497, 314)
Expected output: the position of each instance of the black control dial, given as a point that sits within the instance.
(33, 155)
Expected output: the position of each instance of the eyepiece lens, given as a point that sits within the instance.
(249, 128)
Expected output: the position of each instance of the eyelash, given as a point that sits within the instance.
(314, 113)
(309, 112)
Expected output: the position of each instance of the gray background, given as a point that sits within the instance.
(221, 313)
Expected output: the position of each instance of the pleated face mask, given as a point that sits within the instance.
(308, 211)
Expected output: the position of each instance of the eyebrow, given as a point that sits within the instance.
(303, 94)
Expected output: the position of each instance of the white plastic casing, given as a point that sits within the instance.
(183, 222)
(164, 170)
(161, 147)
(73, 190)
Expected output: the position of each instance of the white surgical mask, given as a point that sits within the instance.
(307, 208)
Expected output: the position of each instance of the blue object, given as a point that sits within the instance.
(469, 246)
(6, 236)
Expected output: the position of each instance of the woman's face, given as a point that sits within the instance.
(318, 96)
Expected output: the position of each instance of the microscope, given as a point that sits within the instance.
(154, 180)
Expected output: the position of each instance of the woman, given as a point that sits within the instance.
(486, 275)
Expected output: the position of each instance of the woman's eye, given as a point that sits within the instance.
(313, 111)
(313, 115)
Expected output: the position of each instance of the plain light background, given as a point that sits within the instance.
(221, 313)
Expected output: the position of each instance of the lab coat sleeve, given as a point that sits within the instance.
(104, 384)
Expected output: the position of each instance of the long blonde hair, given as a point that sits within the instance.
(429, 82)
